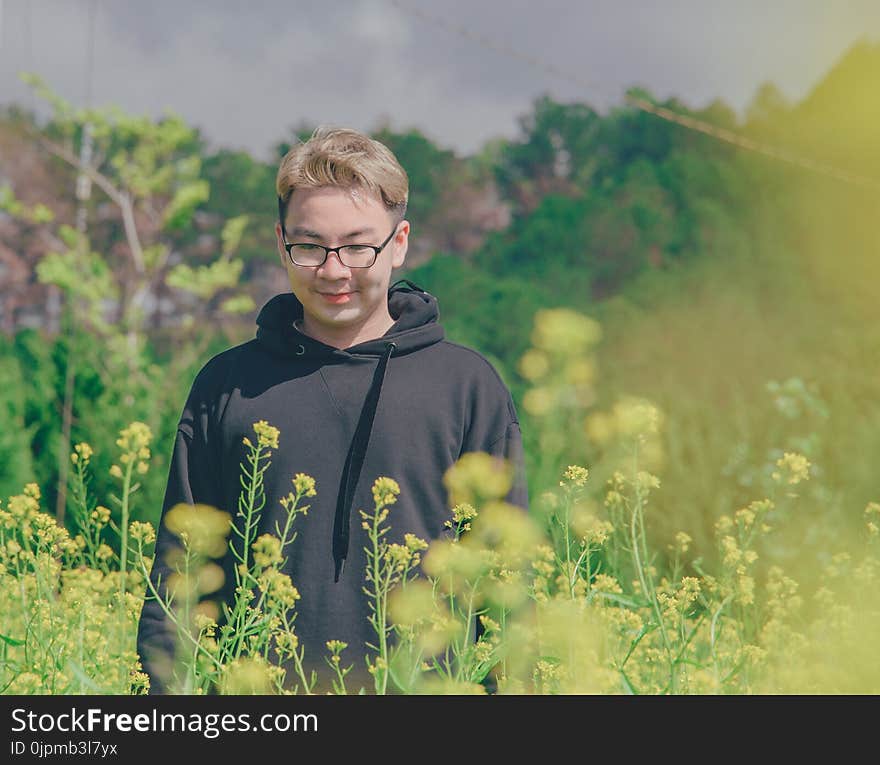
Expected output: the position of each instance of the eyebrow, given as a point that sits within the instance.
(308, 233)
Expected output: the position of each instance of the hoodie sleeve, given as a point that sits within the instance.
(510, 447)
(191, 479)
(494, 428)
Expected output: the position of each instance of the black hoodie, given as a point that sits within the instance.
(406, 405)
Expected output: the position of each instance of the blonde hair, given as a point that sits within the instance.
(345, 158)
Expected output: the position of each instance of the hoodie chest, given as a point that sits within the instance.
(317, 410)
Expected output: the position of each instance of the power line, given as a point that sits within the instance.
(691, 123)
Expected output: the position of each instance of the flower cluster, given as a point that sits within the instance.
(133, 442)
(267, 435)
(385, 491)
(793, 468)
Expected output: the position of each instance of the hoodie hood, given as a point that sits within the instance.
(415, 313)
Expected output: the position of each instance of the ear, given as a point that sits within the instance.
(279, 240)
(401, 244)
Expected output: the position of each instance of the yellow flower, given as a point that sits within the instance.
(205, 623)
(100, 515)
(412, 604)
(580, 372)
(538, 401)
(210, 578)
(278, 588)
(793, 468)
(477, 477)
(451, 560)
(564, 332)
(732, 553)
(682, 542)
(397, 556)
(116, 471)
(267, 435)
(385, 491)
(723, 524)
(745, 517)
(82, 451)
(134, 438)
(142, 531)
(463, 512)
(606, 583)
(246, 676)
(576, 474)
(286, 643)
(634, 416)
(204, 528)
(745, 590)
(267, 551)
(507, 531)
(304, 485)
(534, 364)
(413, 543)
(646, 481)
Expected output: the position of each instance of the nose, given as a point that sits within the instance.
(333, 265)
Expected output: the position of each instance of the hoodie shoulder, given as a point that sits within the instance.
(209, 391)
(491, 410)
(219, 367)
(466, 359)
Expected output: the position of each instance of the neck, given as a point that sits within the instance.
(346, 337)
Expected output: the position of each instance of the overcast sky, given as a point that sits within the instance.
(246, 72)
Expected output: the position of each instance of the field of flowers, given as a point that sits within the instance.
(571, 597)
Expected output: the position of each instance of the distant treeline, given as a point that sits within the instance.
(577, 210)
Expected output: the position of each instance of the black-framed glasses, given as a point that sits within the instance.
(350, 255)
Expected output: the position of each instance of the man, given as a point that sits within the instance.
(360, 382)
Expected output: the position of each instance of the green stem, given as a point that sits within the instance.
(639, 543)
(381, 672)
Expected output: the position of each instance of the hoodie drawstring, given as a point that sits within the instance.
(354, 462)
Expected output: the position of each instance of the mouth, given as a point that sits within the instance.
(336, 297)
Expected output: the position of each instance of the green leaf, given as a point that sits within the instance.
(10, 641)
(186, 199)
(627, 685)
(232, 232)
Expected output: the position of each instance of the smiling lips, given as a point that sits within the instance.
(339, 297)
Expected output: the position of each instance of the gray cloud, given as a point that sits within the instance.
(246, 72)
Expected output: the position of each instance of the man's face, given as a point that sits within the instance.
(333, 216)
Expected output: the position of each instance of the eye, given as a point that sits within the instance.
(359, 249)
(307, 247)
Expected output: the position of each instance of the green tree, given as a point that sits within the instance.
(151, 172)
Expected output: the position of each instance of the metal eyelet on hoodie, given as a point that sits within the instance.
(300, 350)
